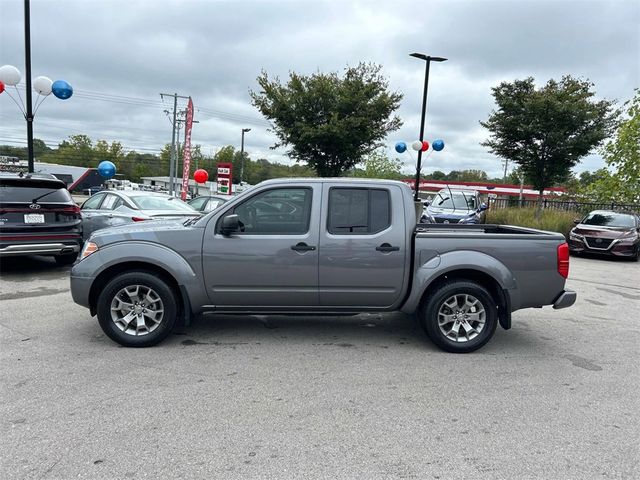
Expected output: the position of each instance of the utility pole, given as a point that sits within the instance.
(172, 162)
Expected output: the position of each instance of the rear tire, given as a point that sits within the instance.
(137, 309)
(460, 316)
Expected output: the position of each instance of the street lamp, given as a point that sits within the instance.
(428, 61)
(244, 130)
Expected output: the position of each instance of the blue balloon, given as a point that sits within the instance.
(401, 147)
(106, 169)
(437, 145)
(61, 89)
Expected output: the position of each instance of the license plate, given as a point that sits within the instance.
(34, 218)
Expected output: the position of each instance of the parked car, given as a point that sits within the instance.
(321, 246)
(118, 207)
(605, 232)
(208, 203)
(457, 206)
(38, 217)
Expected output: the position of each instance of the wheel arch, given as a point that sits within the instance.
(184, 306)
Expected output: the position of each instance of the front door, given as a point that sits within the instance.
(273, 260)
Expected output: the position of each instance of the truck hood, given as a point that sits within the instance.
(154, 231)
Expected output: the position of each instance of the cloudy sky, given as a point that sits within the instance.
(119, 55)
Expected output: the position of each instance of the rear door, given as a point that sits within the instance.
(273, 261)
(362, 246)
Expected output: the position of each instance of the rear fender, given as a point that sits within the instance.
(437, 266)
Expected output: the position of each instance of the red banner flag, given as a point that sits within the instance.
(186, 156)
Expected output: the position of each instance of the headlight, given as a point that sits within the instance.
(471, 219)
(88, 249)
(575, 236)
(631, 236)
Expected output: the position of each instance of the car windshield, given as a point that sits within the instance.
(609, 219)
(451, 200)
(27, 192)
(161, 202)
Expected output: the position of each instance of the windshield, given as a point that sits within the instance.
(609, 219)
(157, 202)
(27, 192)
(453, 199)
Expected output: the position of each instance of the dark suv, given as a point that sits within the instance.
(38, 217)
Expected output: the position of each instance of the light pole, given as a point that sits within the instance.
(428, 59)
(244, 130)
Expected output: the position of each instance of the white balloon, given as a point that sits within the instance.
(417, 145)
(42, 85)
(10, 75)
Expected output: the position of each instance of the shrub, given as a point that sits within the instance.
(552, 220)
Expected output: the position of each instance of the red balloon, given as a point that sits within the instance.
(425, 146)
(200, 175)
(1, 87)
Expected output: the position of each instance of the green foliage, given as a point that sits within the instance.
(459, 176)
(551, 220)
(378, 165)
(622, 155)
(330, 123)
(547, 131)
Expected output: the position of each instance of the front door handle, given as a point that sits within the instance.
(302, 247)
(386, 247)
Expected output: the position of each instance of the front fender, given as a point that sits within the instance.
(186, 272)
(433, 265)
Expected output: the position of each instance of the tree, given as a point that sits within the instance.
(547, 131)
(622, 154)
(378, 165)
(329, 122)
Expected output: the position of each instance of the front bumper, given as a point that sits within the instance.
(565, 299)
(618, 247)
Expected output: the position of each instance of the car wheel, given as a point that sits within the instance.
(66, 259)
(137, 309)
(460, 316)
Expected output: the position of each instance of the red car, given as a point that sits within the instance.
(604, 232)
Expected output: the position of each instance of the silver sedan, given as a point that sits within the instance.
(117, 207)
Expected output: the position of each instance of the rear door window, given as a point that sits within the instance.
(358, 210)
(93, 202)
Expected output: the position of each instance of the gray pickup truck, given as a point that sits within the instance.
(319, 246)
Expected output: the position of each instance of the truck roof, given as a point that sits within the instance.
(335, 180)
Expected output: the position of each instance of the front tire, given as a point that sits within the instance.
(460, 316)
(137, 309)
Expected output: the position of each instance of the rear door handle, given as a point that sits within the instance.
(302, 247)
(386, 247)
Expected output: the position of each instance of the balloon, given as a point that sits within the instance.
(437, 145)
(10, 75)
(106, 168)
(401, 147)
(425, 146)
(42, 85)
(200, 176)
(417, 145)
(61, 89)
(1, 87)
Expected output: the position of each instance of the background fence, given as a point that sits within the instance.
(563, 205)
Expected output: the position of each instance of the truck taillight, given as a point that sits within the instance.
(563, 259)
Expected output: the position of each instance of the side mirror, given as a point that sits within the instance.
(230, 224)
(577, 221)
(483, 207)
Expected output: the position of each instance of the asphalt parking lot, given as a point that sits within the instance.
(557, 396)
